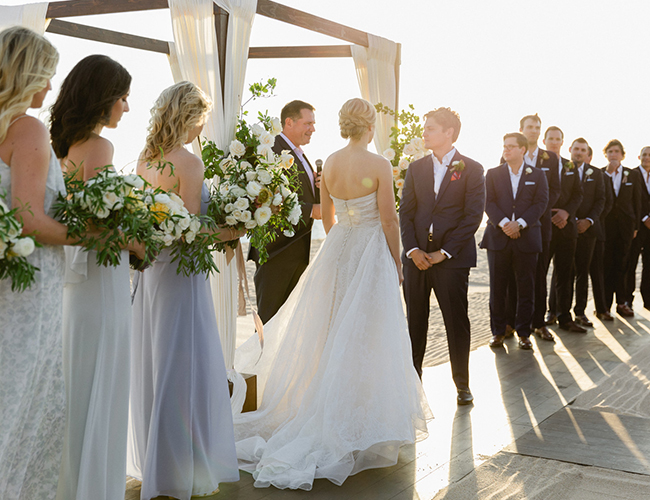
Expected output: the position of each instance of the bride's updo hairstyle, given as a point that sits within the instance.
(27, 62)
(177, 111)
(355, 117)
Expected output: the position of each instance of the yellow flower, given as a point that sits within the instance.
(160, 211)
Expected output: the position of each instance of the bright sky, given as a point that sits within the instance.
(578, 63)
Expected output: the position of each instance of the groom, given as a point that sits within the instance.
(441, 209)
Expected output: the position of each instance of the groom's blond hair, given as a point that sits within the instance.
(446, 118)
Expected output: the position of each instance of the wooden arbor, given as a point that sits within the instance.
(267, 8)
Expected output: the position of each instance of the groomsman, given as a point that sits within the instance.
(441, 209)
(564, 236)
(289, 256)
(547, 161)
(621, 225)
(516, 199)
(641, 244)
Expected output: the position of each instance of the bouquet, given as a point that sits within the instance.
(253, 188)
(14, 250)
(406, 144)
(110, 210)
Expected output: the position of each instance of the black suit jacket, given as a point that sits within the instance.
(529, 204)
(307, 198)
(547, 161)
(456, 212)
(570, 198)
(593, 199)
(626, 209)
(609, 203)
(645, 198)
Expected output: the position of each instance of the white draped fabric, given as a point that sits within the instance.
(30, 16)
(375, 67)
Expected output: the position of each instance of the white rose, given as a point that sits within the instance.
(3, 248)
(245, 216)
(227, 163)
(589, 171)
(112, 201)
(231, 221)
(389, 154)
(410, 149)
(238, 192)
(251, 224)
(184, 223)
(294, 215)
(285, 192)
(189, 236)
(134, 180)
(23, 247)
(13, 231)
(237, 148)
(404, 164)
(167, 226)
(286, 159)
(277, 199)
(399, 183)
(396, 171)
(529, 170)
(418, 155)
(251, 175)
(257, 130)
(223, 188)
(265, 151)
(102, 213)
(229, 207)
(264, 176)
(168, 239)
(253, 188)
(176, 199)
(236, 214)
(195, 225)
(267, 139)
(241, 203)
(418, 143)
(162, 198)
(262, 215)
(178, 232)
(288, 234)
(276, 126)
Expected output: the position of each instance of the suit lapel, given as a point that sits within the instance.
(521, 179)
(505, 173)
(447, 178)
(302, 172)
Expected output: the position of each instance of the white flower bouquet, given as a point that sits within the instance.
(253, 188)
(14, 250)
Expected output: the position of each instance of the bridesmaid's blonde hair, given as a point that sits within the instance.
(355, 117)
(177, 111)
(27, 62)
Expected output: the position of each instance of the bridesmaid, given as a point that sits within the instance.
(32, 394)
(181, 441)
(96, 299)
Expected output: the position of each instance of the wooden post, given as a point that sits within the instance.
(221, 28)
(398, 63)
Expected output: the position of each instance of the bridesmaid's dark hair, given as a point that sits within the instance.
(86, 99)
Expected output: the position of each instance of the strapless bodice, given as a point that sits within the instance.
(357, 212)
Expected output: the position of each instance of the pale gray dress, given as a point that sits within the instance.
(32, 393)
(181, 440)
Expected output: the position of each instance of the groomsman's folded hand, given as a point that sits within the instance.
(421, 259)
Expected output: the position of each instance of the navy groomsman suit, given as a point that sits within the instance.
(596, 270)
(640, 246)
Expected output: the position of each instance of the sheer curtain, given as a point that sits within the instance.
(375, 67)
(30, 16)
(194, 57)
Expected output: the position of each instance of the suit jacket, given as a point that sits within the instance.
(529, 204)
(593, 199)
(609, 203)
(547, 161)
(570, 199)
(455, 213)
(307, 198)
(645, 200)
(626, 210)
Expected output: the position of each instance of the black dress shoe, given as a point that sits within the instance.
(572, 326)
(464, 397)
(497, 341)
(584, 321)
(525, 343)
(510, 331)
(544, 334)
(604, 316)
(625, 310)
(551, 319)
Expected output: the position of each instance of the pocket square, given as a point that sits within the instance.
(628, 184)
(530, 183)
(545, 169)
(568, 173)
(455, 176)
(591, 180)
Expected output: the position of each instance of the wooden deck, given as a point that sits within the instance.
(518, 394)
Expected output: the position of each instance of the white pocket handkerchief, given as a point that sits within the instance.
(591, 180)
(530, 183)
(569, 173)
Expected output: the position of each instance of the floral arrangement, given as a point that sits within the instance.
(14, 250)
(253, 188)
(406, 143)
(110, 210)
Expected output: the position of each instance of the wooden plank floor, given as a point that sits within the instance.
(515, 392)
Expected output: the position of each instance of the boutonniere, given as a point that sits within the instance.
(626, 173)
(589, 172)
(528, 170)
(569, 165)
(456, 168)
(545, 156)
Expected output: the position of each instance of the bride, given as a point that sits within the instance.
(339, 391)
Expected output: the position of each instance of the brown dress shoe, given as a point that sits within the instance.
(464, 397)
(544, 334)
(572, 326)
(551, 319)
(510, 331)
(525, 343)
(584, 321)
(624, 310)
(604, 316)
(497, 341)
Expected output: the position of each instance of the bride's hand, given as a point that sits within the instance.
(400, 274)
(227, 233)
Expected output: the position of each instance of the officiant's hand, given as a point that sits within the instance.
(317, 176)
(421, 259)
(315, 211)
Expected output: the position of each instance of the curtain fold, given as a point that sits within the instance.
(375, 68)
(30, 16)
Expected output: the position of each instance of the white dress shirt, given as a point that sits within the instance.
(514, 182)
(581, 173)
(646, 179)
(560, 167)
(439, 172)
(532, 161)
(617, 177)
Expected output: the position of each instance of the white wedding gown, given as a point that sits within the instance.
(339, 391)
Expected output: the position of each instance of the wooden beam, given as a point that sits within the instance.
(305, 51)
(107, 36)
(73, 8)
(289, 15)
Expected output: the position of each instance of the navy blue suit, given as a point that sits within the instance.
(640, 246)
(456, 214)
(505, 253)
